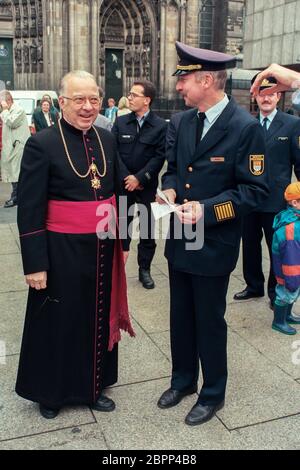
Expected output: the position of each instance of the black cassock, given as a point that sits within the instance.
(64, 356)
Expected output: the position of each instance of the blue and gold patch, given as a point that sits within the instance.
(224, 211)
(257, 164)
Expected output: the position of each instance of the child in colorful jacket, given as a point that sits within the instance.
(286, 261)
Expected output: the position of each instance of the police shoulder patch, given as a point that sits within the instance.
(257, 164)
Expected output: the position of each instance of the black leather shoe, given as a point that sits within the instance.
(104, 404)
(10, 203)
(246, 294)
(172, 397)
(201, 413)
(48, 413)
(146, 279)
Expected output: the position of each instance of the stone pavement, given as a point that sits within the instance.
(262, 408)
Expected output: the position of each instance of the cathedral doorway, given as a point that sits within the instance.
(114, 74)
(6, 62)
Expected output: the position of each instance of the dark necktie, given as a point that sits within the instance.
(265, 120)
(200, 123)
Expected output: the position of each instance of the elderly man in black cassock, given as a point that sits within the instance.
(73, 261)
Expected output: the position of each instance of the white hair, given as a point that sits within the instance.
(75, 74)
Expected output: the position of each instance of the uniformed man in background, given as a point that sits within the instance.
(282, 139)
(141, 144)
(218, 162)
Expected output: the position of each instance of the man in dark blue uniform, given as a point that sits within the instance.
(141, 144)
(217, 174)
(282, 138)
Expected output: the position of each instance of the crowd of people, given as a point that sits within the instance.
(228, 173)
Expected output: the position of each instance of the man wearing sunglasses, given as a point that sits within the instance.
(141, 143)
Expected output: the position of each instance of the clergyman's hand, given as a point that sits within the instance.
(37, 281)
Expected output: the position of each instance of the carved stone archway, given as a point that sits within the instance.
(129, 26)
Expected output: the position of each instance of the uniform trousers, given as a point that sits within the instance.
(199, 332)
(254, 226)
(147, 244)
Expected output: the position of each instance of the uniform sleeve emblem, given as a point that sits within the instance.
(257, 164)
(224, 211)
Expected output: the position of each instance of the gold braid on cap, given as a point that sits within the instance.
(189, 67)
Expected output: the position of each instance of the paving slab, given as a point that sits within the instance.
(252, 321)
(150, 307)
(139, 424)
(140, 359)
(11, 273)
(132, 268)
(12, 308)
(256, 390)
(20, 418)
(282, 434)
(83, 437)
(8, 243)
(14, 228)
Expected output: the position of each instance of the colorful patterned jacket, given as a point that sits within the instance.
(286, 248)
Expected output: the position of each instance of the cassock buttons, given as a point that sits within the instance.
(187, 186)
(190, 169)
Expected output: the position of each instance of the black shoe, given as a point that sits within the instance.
(104, 404)
(146, 279)
(246, 294)
(201, 413)
(48, 413)
(172, 397)
(10, 203)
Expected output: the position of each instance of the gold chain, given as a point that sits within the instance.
(93, 167)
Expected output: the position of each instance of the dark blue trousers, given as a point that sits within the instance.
(199, 332)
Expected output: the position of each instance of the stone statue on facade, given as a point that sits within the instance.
(18, 56)
(33, 55)
(17, 9)
(26, 57)
(137, 62)
(40, 58)
(128, 62)
(146, 63)
(25, 27)
(102, 60)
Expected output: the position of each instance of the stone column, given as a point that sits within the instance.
(192, 26)
(94, 16)
(171, 36)
(162, 46)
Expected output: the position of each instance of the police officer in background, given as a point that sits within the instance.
(217, 161)
(141, 143)
(282, 138)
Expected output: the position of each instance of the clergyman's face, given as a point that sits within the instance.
(80, 115)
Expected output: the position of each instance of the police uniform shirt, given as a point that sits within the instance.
(269, 118)
(213, 113)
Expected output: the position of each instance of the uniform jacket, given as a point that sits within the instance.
(141, 153)
(286, 248)
(283, 153)
(227, 173)
(15, 132)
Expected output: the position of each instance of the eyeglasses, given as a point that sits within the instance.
(134, 95)
(81, 100)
